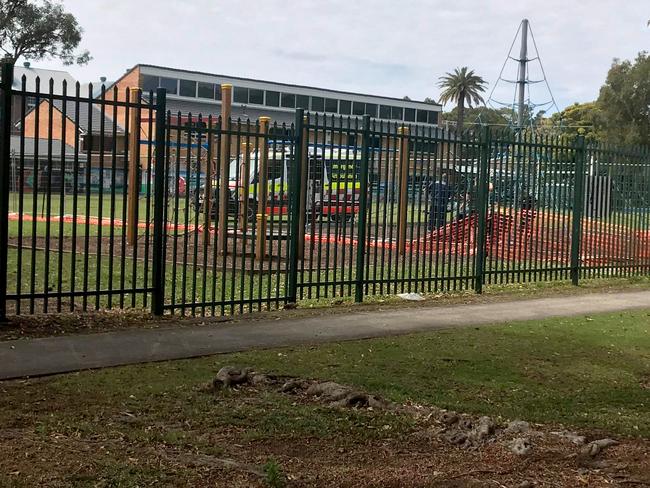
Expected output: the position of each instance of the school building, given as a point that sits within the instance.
(200, 93)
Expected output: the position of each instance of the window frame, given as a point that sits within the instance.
(367, 110)
(152, 78)
(287, 96)
(257, 91)
(393, 110)
(207, 86)
(161, 84)
(269, 96)
(186, 82)
(336, 105)
(240, 94)
(303, 98)
(322, 104)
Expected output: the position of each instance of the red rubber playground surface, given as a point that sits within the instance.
(510, 236)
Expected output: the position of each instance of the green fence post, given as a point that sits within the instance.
(5, 162)
(294, 208)
(160, 190)
(483, 183)
(578, 208)
(362, 217)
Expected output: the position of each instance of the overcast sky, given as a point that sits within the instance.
(372, 46)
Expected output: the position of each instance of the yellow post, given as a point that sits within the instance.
(243, 184)
(224, 193)
(134, 163)
(403, 189)
(303, 191)
(263, 190)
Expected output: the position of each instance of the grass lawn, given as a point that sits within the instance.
(185, 283)
(152, 424)
(114, 205)
(95, 209)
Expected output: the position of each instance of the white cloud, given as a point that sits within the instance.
(375, 46)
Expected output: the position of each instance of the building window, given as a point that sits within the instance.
(352, 140)
(149, 83)
(358, 108)
(331, 105)
(240, 95)
(396, 113)
(433, 117)
(30, 102)
(187, 88)
(422, 116)
(409, 114)
(302, 101)
(279, 133)
(371, 109)
(96, 143)
(170, 84)
(384, 112)
(273, 98)
(288, 100)
(256, 96)
(345, 107)
(206, 90)
(318, 104)
(425, 146)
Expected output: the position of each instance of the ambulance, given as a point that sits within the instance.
(333, 184)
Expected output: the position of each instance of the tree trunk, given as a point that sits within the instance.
(461, 112)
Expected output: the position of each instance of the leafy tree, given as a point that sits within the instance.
(40, 30)
(579, 119)
(430, 100)
(462, 86)
(482, 115)
(624, 101)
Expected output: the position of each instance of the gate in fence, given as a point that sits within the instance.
(108, 200)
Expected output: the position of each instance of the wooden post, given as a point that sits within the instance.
(133, 168)
(224, 180)
(403, 189)
(303, 190)
(243, 184)
(263, 190)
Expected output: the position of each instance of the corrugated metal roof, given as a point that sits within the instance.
(43, 147)
(96, 88)
(94, 121)
(85, 120)
(44, 76)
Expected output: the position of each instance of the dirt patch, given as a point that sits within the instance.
(444, 449)
(384, 444)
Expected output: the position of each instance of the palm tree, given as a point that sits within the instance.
(460, 86)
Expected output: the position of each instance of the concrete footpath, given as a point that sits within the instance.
(34, 357)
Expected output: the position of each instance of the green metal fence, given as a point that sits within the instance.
(325, 207)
